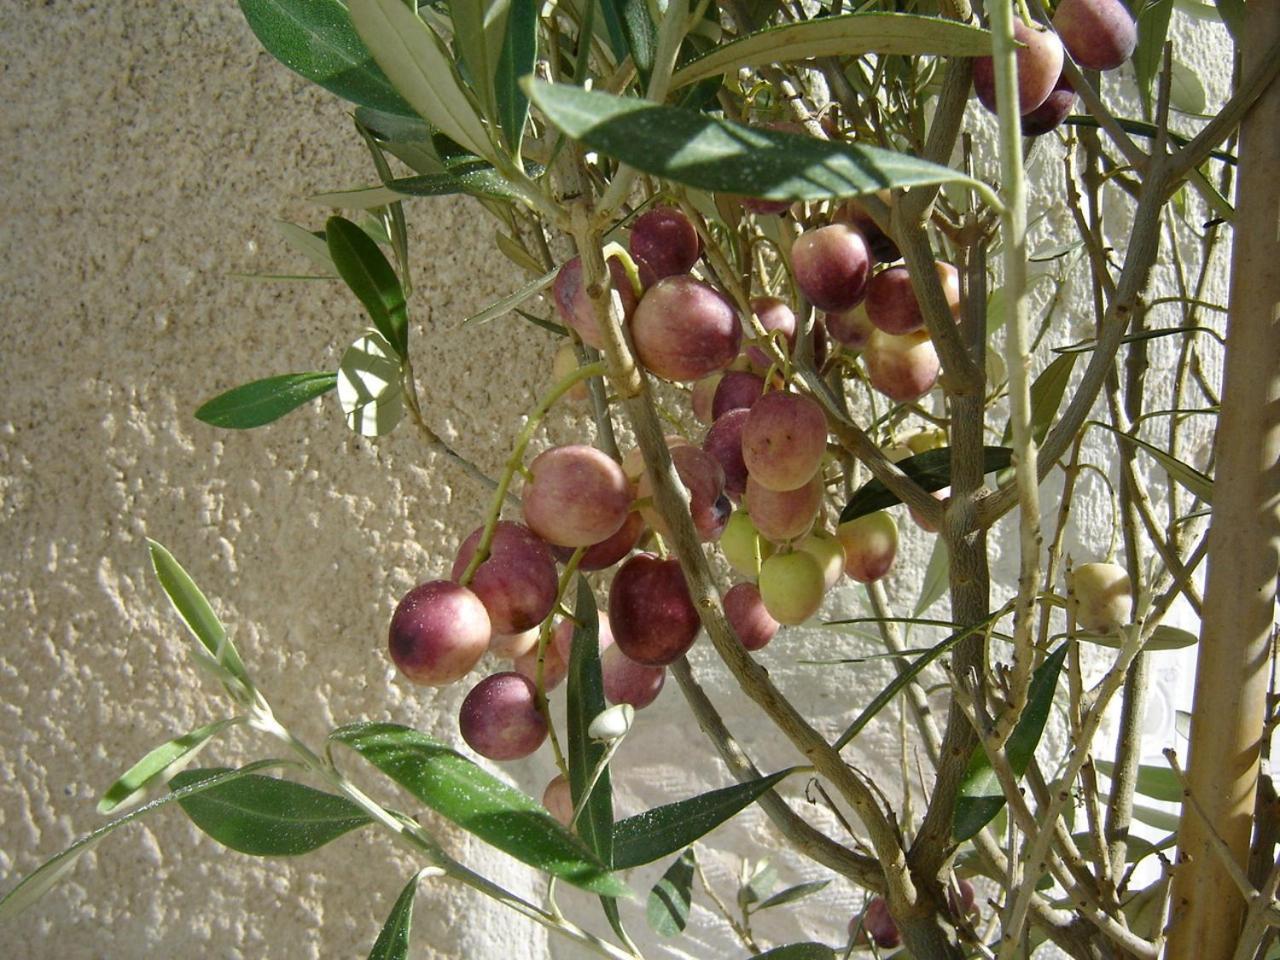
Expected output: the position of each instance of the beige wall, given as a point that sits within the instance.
(146, 148)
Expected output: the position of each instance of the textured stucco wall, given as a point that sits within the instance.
(146, 150)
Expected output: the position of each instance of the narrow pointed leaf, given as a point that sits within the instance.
(393, 940)
(1232, 12)
(369, 388)
(159, 761)
(639, 32)
(479, 802)
(1158, 783)
(267, 816)
(36, 884)
(365, 269)
(308, 244)
(809, 950)
(668, 908)
(519, 53)
(513, 300)
(315, 39)
(792, 894)
(585, 702)
(479, 27)
(711, 154)
(846, 35)
(931, 469)
(265, 401)
(1163, 637)
(1153, 30)
(195, 611)
(1187, 476)
(1046, 396)
(478, 179)
(981, 797)
(937, 576)
(662, 831)
(885, 696)
(413, 59)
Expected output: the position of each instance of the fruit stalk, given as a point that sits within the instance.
(516, 459)
(1017, 358)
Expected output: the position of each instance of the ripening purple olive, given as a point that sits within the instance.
(575, 307)
(881, 245)
(724, 442)
(852, 328)
(891, 301)
(562, 365)
(558, 799)
(787, 514)
(776, 317)
(738, 390)
(652, 615)
(703, 395)
(752, 623)
(831, 265)
(665, 241)
(879, 926)
(1050, 114)
(438, 632)
(575, 496)
(784, 440)
(870, 545)
(1099, 34)
(1039, 63)
(684, 329)
(626, 681)
(517, 583)
(602, 555)
(499, 718)
(509, 646)
(554, 667)
(902, 368)
(702, 474)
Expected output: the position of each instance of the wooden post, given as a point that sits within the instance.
(1244, 541)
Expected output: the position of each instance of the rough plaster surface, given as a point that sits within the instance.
(146, 150)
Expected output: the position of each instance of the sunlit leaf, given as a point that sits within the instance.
(981, 796)
(264, 401)
(393, 939)
(267, 816)
(519, 53)
(369, 386)
(195, 611)
(711, 154)
(36, 884)
(1158, 783)
(369, 275)
(846, 35)
(315, 39)
(931, 470)
(160, 761)
(663, 830)
(480, 803)
(672, 896)
(416, 63)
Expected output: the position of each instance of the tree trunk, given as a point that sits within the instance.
(1231, 672)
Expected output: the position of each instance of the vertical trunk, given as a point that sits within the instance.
(1231, 672)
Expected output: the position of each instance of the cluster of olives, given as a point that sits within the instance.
(1098, 34)
(756, 481)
